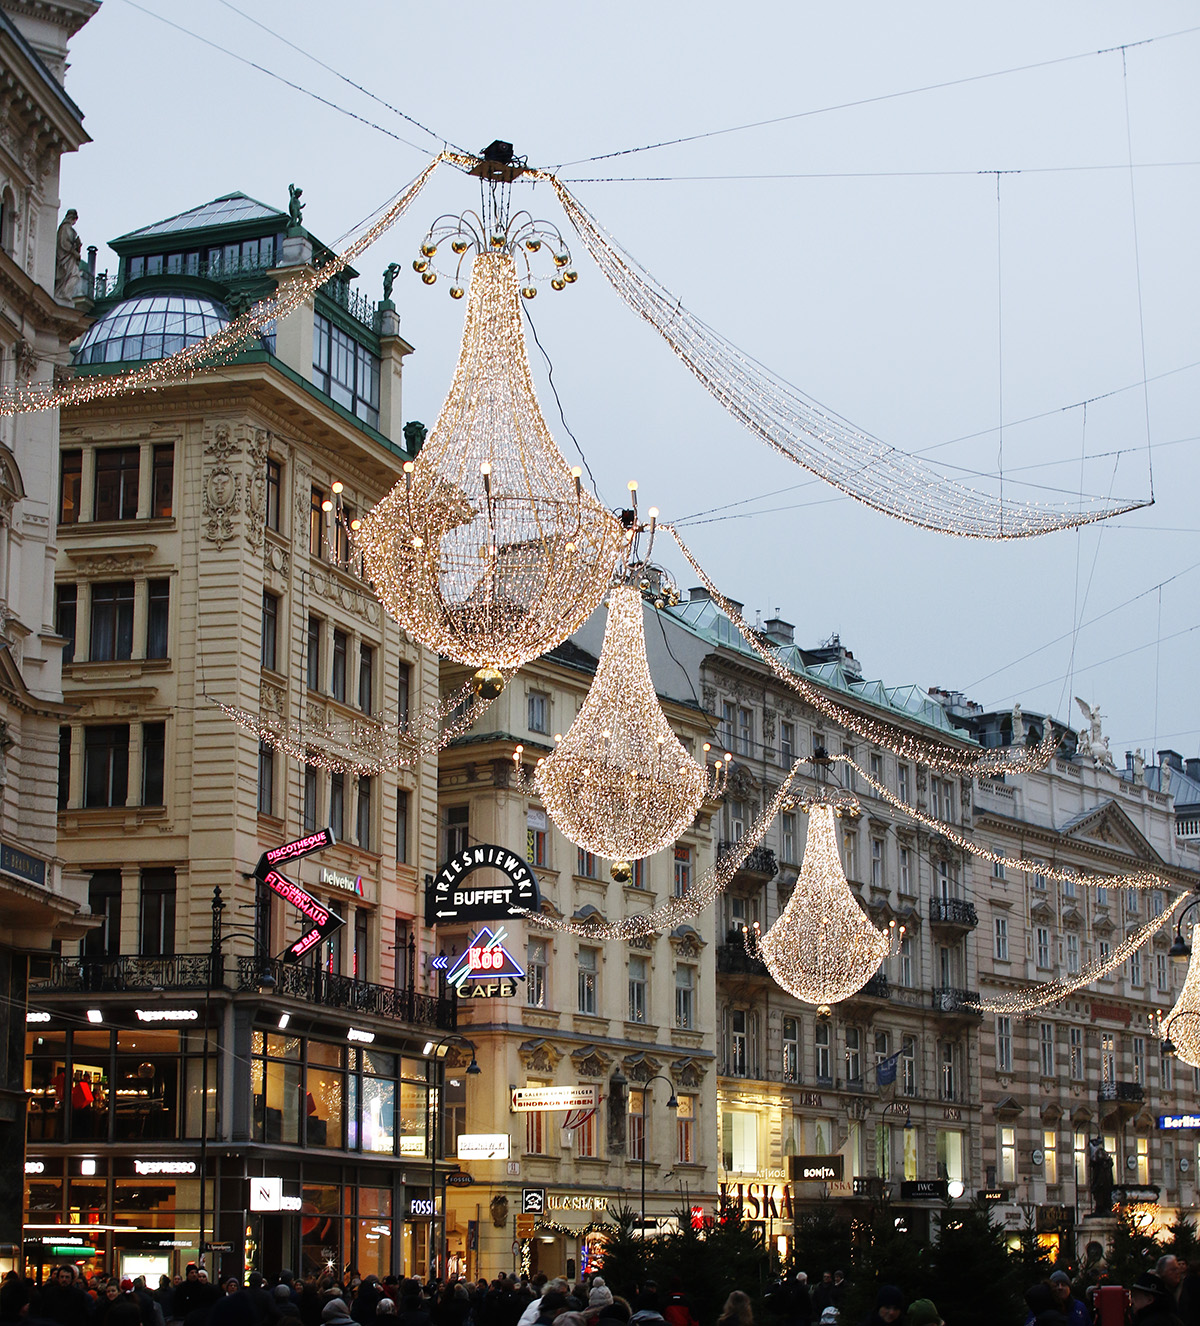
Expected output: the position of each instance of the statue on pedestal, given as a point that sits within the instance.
(390, 272)
(1018, 725)
(68, 260)
(1100, 1164)
(1092, 740)
(295, 210)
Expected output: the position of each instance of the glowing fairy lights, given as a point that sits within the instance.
(1028, 1001)
(891, 481)
(938, 755)
(1182, 1024)
(675, 911)
(619, 783)
(221, 346)
(489, 550)
(823, 947)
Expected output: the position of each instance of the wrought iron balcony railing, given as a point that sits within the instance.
(204, 971)
(761, 861)
(949, 999)
(1132, 1092)
(733, 960)
(877, 987)
(952, 911)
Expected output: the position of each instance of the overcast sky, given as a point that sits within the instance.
(872, 279)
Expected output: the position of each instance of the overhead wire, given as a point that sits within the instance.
(869, 174)
(876, 99)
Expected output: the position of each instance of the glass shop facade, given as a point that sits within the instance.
(273, 1136)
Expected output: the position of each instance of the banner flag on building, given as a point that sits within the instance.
(885, 1070)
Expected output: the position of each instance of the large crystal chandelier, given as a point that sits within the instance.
(490, 550)
(619, 783)
(823, 948)
(1181, 1026)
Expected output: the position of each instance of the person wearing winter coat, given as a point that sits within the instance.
(889, 1307)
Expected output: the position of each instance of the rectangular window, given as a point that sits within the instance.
(106, 765)
(270, 629)
(70, 487)
(787, 837)
(853, 1055)
(158, 618)
(787, 745)
(639, 972)
(536, 836)
(158, 913)
(1046, 1048)
(535, 1133)
(1043, 946)
(589, 970)
(1143, 1161)
(402, 957)
(1068, 888)
(875, 765)
(1162, 977)
(902, 782)
(584, 1137)
(877, 863)
(309, 813)
(1101, 897)
(539, 712)
(104, 899)
(683, 869)
(337, 805)
(1076, 1040)
(905, 871)
(274, 481)
(1004, 1045)
(587, 864)
(66, 618)
(366, 679)
(791, 1049)
(1139, 1060)
(64, 767)
(1135, 968)
(1108, 1057)
(537, 963)
(998, 870)
(949, 1071)
(266, 779)
(112, 621)
(1080, 1149)
(162, 482)
(1073, 954)
(739, 1141)
(316, 523)
(636, 1132)
(739, 1042)
(1166, 1070)
(685, 1130)
(685, 997)
(154, 753)
(116, 488)
(458, 826)
(346, 371)
(905, 961)
(363, 821)
(404, 680)
(1050, 1156)
(401, 827)
(908, 1065)
(1001, 926)
(728, 715)
(950, 1155)
(362, 944)
(637, 879)
(337, 685)
(314, 654)
(821, 1057)
(1008, 1153)
(745, 734)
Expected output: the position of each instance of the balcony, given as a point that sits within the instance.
(761, 860)
(733, 960)
(877, 987)
(956, 1003)
(955, 913)
(203, 971)
(1127, 1093)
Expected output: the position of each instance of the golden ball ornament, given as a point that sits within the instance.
(428, 249)
(498, 240)
(529, 292)
(621, 871)
(456, 292)
(570, 276)
(429, 277)
(533, 245)
(557, 283)
(458, 246)
(487, 683)
(824, 1011)
(420, 265)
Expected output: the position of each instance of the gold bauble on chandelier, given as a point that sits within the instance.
(823, 948)
(489, 550)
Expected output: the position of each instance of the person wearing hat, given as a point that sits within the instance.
(1151, 1302)
(1075, 1312)
(889, 1307)
(922, 1312)
(829, 1316)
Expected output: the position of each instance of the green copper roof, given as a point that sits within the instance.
(704, 619)
(231, 209)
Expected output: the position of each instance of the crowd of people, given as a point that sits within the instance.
(1169, 1295)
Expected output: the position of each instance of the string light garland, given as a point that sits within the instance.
(620, 784)
(1181, 1026)
(490, 551)
(938, 755)
(880, 476)
(822, 948)
(364, 746)
(675, 911)
(223, 345)
(1024, 1003)
(1134, 879)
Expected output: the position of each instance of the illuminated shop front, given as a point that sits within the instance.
(316, 1144)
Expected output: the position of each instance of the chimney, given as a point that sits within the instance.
(1172, 758)
(779, 631)
(1193, 769)
(698, 594)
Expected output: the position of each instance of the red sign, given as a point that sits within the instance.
(1111, 1013)
(300, 898)
(312, 842)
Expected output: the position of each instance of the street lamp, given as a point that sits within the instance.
(1180, 950)
(672, 1104)
(437, 1251)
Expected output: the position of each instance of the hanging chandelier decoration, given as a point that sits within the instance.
(937, 755)
(231, 340)
(489, 550)
(1180, 1028)
(888, 480)
(823, 947)
(675, 911)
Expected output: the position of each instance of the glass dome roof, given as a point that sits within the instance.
(150, 327)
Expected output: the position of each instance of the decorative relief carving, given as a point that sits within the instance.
(221, 445)
(687, 1073)
(222, 501)
(271, 699)
(686, 942)
(590, 1061)
(539, 1056)
(710, 700)
(641, 1067)
(643, 942)
(277, 559)
(256, 485)
(768, 726)
(329, 586)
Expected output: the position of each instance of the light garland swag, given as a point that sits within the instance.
(1182, 1023)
